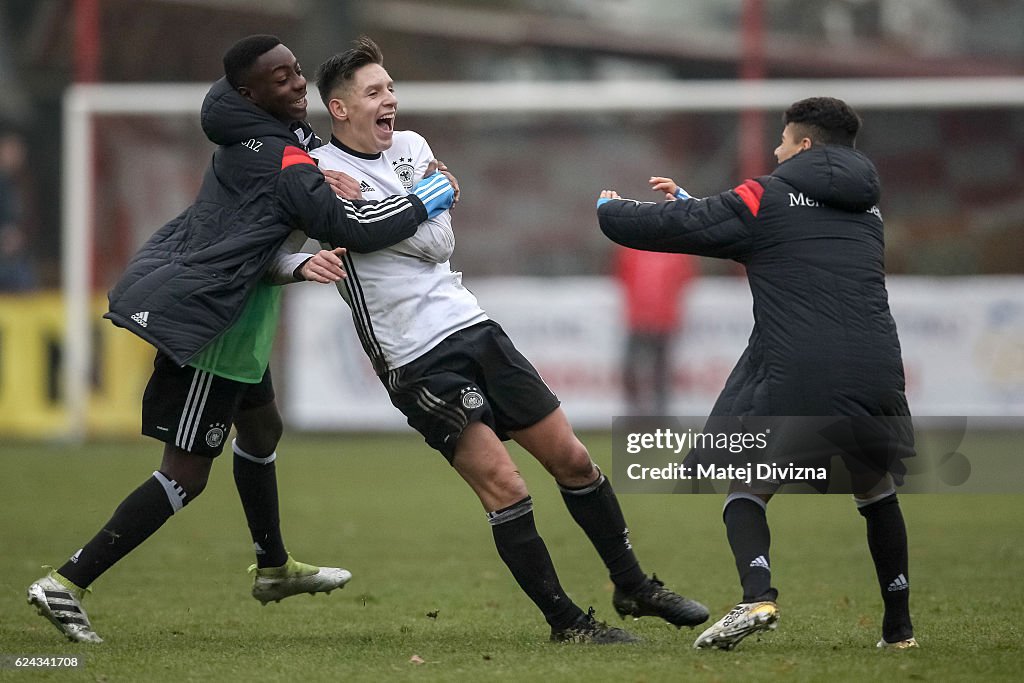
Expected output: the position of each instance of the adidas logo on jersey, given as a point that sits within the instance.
(761, 562)
(900, 583)
(365, 186)
(142, 318)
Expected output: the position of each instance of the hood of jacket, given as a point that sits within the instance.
(834, 175)
(228, 118)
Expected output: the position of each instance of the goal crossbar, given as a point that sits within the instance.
(83, 101)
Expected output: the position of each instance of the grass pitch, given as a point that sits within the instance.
(431, 601)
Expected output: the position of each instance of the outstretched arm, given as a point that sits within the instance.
(719, 226)
(669, 187)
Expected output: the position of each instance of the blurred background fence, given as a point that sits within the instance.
(952, 169)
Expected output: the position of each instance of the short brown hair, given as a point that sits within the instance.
(338, 69)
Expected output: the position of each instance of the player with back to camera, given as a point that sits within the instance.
(824, 342)
(197, 291)
(458, 378)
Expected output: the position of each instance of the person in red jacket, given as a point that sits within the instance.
(653, 284)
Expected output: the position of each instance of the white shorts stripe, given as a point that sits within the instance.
(196, 421)
(193, 410)
(196, 376)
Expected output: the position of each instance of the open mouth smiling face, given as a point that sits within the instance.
(278, 86)
(382, 132)
(372, 107)
(299, 106)
(386, 124)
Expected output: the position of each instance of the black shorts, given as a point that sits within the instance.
(194, 409)
(474, 375)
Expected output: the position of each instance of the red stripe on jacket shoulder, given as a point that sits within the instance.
(750, 192)
(294, 155)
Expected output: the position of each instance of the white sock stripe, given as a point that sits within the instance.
(744, 496)
(250, 457)
(864, 502)
(175, 493)
(589, 488)
(521, 508)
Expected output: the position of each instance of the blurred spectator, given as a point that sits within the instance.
(652, 284)
(17, 272)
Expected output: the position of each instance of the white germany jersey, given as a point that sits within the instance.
(405, 299)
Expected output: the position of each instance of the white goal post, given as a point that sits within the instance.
(83, 102)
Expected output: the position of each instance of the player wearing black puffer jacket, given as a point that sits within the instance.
(824, 342)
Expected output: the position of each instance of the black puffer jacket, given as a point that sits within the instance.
(188, 283)
(810, 237)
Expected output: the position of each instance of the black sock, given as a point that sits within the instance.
(135, 519)
(596, 509)
(523, 551)
(746, 525)
(256, 481)
(887, 541)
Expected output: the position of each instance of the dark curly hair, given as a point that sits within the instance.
(825, 120)
(239, 59)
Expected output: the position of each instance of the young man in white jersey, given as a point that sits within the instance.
(458, 378)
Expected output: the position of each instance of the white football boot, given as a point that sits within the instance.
(907, 644)
(292, 578)
(61, 603)
(741, 621)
